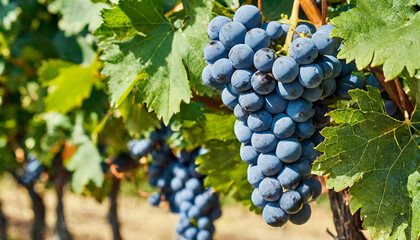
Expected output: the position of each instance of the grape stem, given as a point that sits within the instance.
(260, 6)
(324, 12)
(312, 12)
(293, 23)
(395, 92)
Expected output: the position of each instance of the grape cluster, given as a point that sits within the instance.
(32, 170)
(276, 102)
(181, 186)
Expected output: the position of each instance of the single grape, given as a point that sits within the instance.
(315, 186)
(139, 147)
(291, 202)
(303, 50)
(273, 215)
(308, 149)
(222, 70)
(310, 26)
(302, 216)
(204, 235)
(249, 154)
(204, 223)
(259, 121)
(283, 126)
(241, 56)
(269, 164)
(241, 80)
(285, 27)
(325, 43)
(273, 29)
(232, 33)
(242, 132)
(257, 38)
(215, 25)
(347, 83)
(229, 98)
(274, 103)
(312, 94)
(214, 51)
(255, 175)
(288, 150)
(305, 190)
(326, 28)
(193, 212)
(270, 189)
(285, 69)
(240, 113)
(190, 233)
(390, 107)
(373, 81)
(264, 142)
(251, 101)
(299, 110)
(257, 199)
(185, 206)
(304, 167)
(263, 83)
(264, 59)
(290, 91)
(328, 86)
(317, 138)
(305, 129)
(194, 184)
(310, 76)
(289, 177)
(301, 29)
(176, 184)
(347, 68)
(154, 199)
(249, 15)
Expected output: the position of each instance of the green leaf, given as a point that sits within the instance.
(164, 63)
(381, 32)
(116, 24)
(77, 14)
(85, 163)
(68, 84)
(374, 155)
(219, 126)
(9, 13)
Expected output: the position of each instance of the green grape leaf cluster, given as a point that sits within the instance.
(377, 157)
(162, 57)
(381, 33)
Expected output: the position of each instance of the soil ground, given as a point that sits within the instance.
(86, 219)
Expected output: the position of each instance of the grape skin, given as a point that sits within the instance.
(231, 34)
(241, 56)
(215, 25)
(214, 51)
(257, 38)
(249, 16)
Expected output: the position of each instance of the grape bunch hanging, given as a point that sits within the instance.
(180, 185)
(273, 98)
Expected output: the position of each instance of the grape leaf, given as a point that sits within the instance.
(219, 126)
(115, 24)
(77, 14)
(85, 163)
(374, 155)
(381, 32)
(160, 63)
(68, 84)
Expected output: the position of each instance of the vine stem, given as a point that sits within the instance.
(312, 12)
(214, 103)
(293, 23)
(324, 12)
(260, 6)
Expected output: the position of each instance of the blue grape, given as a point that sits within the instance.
(193, 212)
(273, 29)
(291, 202)
(204, 223)
(305, 191)
(204, 235)
(289, 177)
(257, 199)
(242, 132)
(304, 167)
(302, 216)
(251, 101)
(308, 150)
(285, 69)
(232, 33)
(241, 80)
(264, 142)
(222, 70)
(184, 195)
(194, 184)
(264, 59)
(310, 76)
(305, 129)
(328, 86)
(215, 214)
(270, 189)
(288, 150)
(299, 110)
(347, 83)
(190, 233)
(215, 25)
(327, 65)
(214, 51)
(390, 107)
(373, 81)
(269, 164)
(263, 83)
(301, 29)
(229, 98)
(182, 226)
(255, 175)
(274, 103)
(347, 68)
(312, 94)
(185, 205)
(274, 216)
(317, 138)
(326, 28)
(285, 27)
(249, 16)
(241, 56)
(154, 199)
(257, 38)
(283, 126)
(310, 26)
(240, 113)
(290, 91)
(176, 184)
(249, 154)
(315, 186)
(139, 147)
(209, 80)
(324, 43)
(259, 121)
(303, 50)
